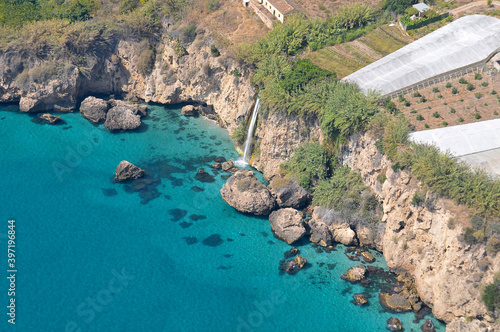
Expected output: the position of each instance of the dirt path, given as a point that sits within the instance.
(471, 5)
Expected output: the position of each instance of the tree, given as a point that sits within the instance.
(398, 6)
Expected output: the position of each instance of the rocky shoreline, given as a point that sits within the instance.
(435, 260)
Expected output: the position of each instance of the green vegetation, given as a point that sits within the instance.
(309, 165)
(420, 117)
(240, 134)
(215, 52)
(462, 80)
(470, 87)
(439, 173)
(477, 76)
(418, 199)
(398, 6)
(491, 295)
(303, 72)
(448, 85)
(454, 91)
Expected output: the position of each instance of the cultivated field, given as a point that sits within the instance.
(443, 107)
(345, 59)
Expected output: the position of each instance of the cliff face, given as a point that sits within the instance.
(279, 135)
(421, 240)
(58, 80)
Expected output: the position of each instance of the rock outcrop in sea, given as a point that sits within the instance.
(246, 194)
(288, 193)
(94, 109)
(287, 224)
(126, 171)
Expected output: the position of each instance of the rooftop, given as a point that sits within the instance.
(421, 7)
(466, 41)
(477, 144)
(283, 6)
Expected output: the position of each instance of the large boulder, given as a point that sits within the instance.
(125, 171)
(123, 117)
(320, 233)
(287, 224)
(355, 274)
(189, 110)
(246, 194)
(394, 302)
(340, 230)
(94, 109)
(288, 193)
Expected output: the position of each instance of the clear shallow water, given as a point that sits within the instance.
(109, 263)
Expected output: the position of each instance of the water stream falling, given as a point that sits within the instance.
(247, 147)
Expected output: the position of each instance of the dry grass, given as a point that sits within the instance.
(325, 8)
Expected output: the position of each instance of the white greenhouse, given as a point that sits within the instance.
(463, 44)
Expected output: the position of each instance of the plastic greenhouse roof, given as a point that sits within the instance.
(462, 139)
(421, 7)
(466, 41)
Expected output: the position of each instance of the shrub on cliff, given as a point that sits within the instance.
(240, 134)
(309, 164)
(146, 61)
(491, 295)
(342, 188)
(347, 111)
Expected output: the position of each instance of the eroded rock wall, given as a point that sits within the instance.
(278, 135)
(448, 273)
(58, 80)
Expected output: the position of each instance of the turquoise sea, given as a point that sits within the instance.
(94, 255)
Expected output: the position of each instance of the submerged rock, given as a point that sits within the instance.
(355, 274)
(94, 109)
(288, 193)
(360, 299)
(50, 119)
(203, 176)
(394, 302)
(394, 324)
(122, 117)
(125, 171)
(246, 194)
(292, 252)
(287, 224)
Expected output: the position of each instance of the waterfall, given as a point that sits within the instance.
(247, 147)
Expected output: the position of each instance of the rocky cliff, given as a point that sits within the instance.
(423, 241)
(59, 76)
(426, 240)
(278, 135)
